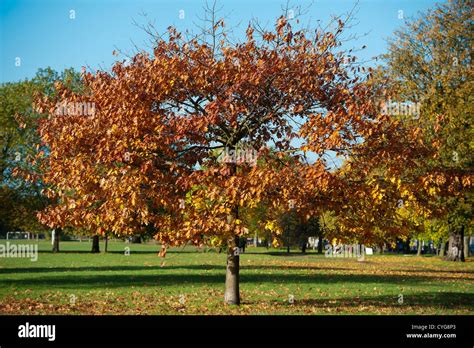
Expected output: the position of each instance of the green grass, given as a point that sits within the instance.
(191, 282)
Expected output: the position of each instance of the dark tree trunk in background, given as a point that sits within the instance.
(456, 245)
(57, 235)
(136, 239)
(303, 248)
(95, 244)
(106, 246)
(381, 246)
(288, 242)
(320, 244)
(406, 247)
(466, 246)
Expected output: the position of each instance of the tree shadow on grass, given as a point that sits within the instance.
(283, 253)
(115, 252)
(120, 268)
(203, 267)
(162, 279)
(208, 267)
(448, 300)
(190, 250)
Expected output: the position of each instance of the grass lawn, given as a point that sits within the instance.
(192, 282)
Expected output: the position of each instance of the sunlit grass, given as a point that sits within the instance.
(192, 281)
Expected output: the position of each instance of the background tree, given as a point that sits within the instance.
(19, 142)
(429, 62)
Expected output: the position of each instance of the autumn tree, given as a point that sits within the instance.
(429, 63)
(179, 139)
(19, 142)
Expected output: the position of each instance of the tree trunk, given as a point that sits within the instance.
(442, 248)
(95, 244)
(57, 235)
(320, 244)
(466, 246)
(418, 253)
(406, 247)
(381, 246)
(136, 239)
(232, 294)
(456, 247)
(106, 246)
(288, 242)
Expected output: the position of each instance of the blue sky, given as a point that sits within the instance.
(42, 33)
